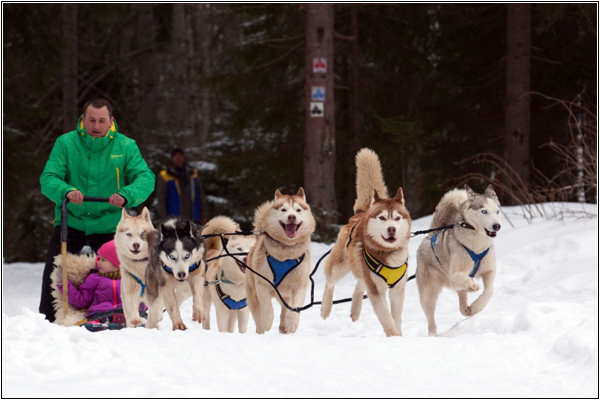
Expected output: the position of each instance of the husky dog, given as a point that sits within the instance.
(175, 271)
(133, 240)
(453, 258)
(282, 255)
(226, 276)
(374, 246)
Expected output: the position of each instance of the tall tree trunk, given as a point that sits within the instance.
(355, 113)
(205, 41)
(319, 147)
(69, 106)
(517, 113)
(180, 99)
(147, 73)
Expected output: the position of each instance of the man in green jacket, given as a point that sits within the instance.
(93, 160)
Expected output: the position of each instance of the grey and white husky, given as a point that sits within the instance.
(454, 258)
(175, 271)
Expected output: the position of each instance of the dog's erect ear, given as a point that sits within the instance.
(301, 193)
(277, 194)
(470, 191)
(146, 215)
(490, 192)
(375, 197)
(163, 230)
(399, 196)
(187, 227)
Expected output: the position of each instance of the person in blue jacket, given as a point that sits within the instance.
(179, 191)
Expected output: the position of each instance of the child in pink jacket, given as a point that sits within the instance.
(101, 290)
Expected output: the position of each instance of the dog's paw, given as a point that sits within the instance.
(392, 332)
(179, 326)
(467, 312)
(197, 317)
(325, 313)
(354, 317)
(136, 322)
(472, 287)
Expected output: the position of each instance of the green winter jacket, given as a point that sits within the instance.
(96, 167)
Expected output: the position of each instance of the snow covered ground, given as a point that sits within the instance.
(538, 336)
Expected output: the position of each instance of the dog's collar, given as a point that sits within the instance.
(138, 280)
(228, 301)
(281, 268)
(170, 270)
(463, 224)
(391, 275)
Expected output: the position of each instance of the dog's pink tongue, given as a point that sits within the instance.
(290, 230)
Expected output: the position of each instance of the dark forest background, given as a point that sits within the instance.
(427, 86)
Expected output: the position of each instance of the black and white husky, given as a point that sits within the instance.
(175, 271)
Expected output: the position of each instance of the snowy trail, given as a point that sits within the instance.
(538, 337)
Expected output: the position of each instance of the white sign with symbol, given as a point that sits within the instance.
(318, 93)
(317, 109)
(319, 64)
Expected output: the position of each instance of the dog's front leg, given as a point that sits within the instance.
(168, 296)
(197, 286)
(131, 300)
(155, 310)
(381, 310)
(488, 290)
(397, 303)
(243, 316)
(461, 281)
(263, 293)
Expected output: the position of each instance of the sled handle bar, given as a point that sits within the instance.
(63, 213)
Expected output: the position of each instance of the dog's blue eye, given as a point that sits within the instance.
(172, 257)
(484, 211)
(187, 256)
(129, 234)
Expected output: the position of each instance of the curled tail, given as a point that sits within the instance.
(218, 225)
(447, 211)
(369, 178)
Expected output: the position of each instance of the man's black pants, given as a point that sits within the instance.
(75, 241)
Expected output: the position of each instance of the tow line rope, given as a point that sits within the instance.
(312, 288)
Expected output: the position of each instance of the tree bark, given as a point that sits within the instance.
(180, 98)
(69, 106)
(146, 73)
(517, 112)
(319, 147)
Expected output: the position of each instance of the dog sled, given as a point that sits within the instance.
(76, 268)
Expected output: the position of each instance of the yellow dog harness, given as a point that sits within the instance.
(391, 275)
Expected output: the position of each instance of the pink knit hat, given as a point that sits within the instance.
(109, 251)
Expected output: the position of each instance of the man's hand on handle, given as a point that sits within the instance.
(75, 196)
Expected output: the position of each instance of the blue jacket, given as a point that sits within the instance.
(179, 199)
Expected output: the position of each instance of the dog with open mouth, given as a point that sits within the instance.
(282, 255)
(374, 246)
(226, 276)
(454, 258)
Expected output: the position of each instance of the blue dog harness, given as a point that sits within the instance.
(138, 280)
(474, 256)
(228, 301)
(282, 268)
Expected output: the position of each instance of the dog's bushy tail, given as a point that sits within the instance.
(447, 211)
(368, 179)
(218, 225)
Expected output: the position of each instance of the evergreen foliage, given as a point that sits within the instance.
(431, 93)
